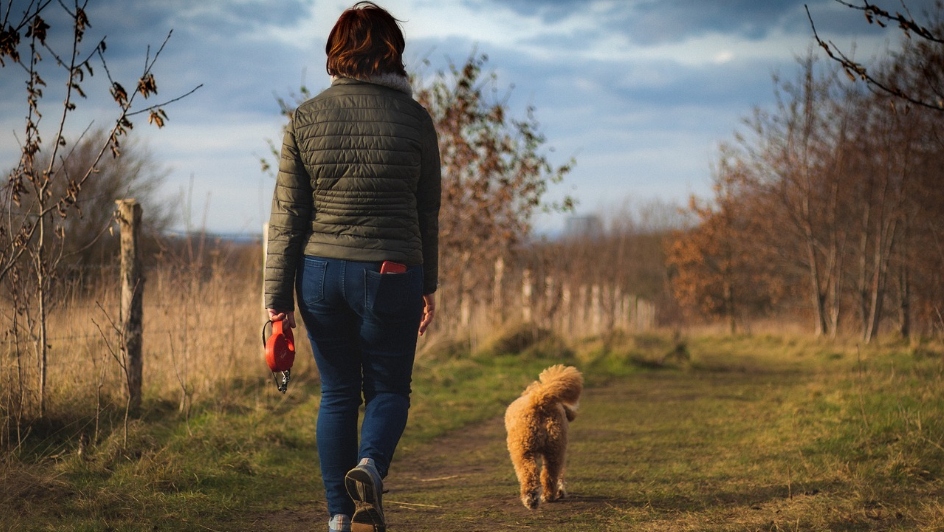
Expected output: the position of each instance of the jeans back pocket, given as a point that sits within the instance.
(392, 295)
(311, 280)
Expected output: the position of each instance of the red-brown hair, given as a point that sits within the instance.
(366, 40)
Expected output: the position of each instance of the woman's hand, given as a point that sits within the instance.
(289, 317)
(429, 310)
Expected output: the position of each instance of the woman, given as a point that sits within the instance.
(354, 230)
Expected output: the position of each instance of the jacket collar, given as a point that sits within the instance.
(387, 79)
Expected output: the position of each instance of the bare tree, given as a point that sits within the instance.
(495, 173)
(842, 188)
(799, 167)
(42, 191)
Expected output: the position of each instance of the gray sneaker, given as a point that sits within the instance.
(365, 487)
(339, 523)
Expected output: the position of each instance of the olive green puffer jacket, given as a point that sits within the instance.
(359, 179)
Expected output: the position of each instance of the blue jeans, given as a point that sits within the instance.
(363, 328)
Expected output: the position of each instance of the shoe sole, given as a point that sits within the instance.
(368, 516)
(360, 486)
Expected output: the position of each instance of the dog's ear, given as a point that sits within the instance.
(570, 411)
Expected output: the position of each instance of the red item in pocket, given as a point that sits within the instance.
(392, 267)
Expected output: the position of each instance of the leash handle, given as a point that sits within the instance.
(280, 352)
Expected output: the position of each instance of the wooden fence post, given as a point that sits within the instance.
(132, 297)
(526, 301)
(567, 311)
(596, 310)
(498, 291)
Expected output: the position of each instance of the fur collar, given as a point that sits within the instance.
(387, 79)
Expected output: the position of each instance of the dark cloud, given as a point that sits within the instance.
(654, 22)
(660, 21)
(657, 22)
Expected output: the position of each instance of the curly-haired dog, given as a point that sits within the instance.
(536, 424)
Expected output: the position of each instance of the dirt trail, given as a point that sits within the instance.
(464, 480)
(467, 483)
(657, 451)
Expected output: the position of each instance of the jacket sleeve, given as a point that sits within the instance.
(428, 200)
(289, 224)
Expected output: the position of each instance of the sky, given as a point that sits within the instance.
(640, 93)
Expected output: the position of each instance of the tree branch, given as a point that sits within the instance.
(857, 71)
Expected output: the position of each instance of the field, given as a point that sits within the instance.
(696, 432)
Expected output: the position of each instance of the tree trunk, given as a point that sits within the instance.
(864, 263)
(904, 307)
(884, 246)
(817, 299)
(729, 307)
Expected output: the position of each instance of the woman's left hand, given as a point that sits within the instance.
(429, 310)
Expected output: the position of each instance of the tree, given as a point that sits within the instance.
(47, 186)
(797, 165)
(884, 171)
(895, 129)
(495, 174)
(840, 192)
(718, 267)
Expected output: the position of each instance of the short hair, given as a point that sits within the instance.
(366, 40)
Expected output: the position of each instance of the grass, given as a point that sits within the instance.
(698, 433)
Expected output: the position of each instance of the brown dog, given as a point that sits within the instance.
(536, 424)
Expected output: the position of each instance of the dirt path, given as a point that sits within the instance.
(648, 452)
(464, 482)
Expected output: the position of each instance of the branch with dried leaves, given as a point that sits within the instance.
(930, 75)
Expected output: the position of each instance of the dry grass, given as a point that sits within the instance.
(202, 333)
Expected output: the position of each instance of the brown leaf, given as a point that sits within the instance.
(9, 39)
(156, 118)
(147, 85)
(118, 92)
(38, 29)
(81, 20)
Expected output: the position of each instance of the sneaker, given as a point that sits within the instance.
(365, 487)
(339, 523)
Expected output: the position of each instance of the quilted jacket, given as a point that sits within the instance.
(359, 179)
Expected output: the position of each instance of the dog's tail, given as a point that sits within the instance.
(561, 384)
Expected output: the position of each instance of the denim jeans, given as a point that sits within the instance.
(363, 329)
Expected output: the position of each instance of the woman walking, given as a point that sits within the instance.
(354, 233)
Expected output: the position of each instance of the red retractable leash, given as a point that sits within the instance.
(280, 352)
